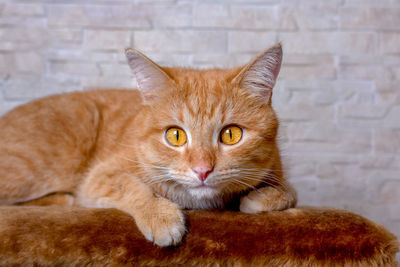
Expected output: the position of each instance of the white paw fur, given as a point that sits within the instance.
(266, 199)
(164, 226)
(248, 205)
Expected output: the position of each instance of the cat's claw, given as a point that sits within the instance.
(164, 225)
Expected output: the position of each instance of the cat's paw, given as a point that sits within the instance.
(266, 199)
(162, 223)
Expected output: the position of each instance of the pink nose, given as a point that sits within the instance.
(202, 172)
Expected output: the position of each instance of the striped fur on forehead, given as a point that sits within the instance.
(202, 96)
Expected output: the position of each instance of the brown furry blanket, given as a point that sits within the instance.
(295, 237)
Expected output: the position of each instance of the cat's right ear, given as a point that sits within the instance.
(259, 76)
(149, 76)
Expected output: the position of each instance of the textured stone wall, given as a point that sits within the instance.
(338, 95)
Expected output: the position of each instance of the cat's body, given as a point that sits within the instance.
(113, 148)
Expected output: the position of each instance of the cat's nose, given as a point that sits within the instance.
(202, 172)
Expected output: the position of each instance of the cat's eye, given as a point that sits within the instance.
(230, 135)
(176, 136)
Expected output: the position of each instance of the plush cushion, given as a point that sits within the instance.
(295, 237)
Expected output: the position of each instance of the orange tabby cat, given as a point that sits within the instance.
(187, 139)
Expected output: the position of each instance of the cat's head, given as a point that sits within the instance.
(210, 132)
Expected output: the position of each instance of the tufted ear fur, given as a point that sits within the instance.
(259, 76)
(149, 76)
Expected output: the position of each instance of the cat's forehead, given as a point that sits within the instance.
(208, 98)
(202, 91)
(192, 80)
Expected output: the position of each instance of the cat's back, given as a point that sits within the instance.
(72, 108)
(55, 138)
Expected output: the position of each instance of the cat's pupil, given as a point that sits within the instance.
(230, 134)
(177, 135)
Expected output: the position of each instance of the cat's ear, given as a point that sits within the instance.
(149, 76)
(259, 76)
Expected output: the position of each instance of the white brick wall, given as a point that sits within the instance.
(338, 96)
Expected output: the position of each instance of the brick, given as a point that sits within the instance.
(104, 82)
(29, 62)
(389, 42)
(316, 16)
(299, 2)
(87, 56)
(352, 92)
(314, 132)
(341, 43)
(323, 137)
(393, 73)
(362, 111)
(260, 2)
(7, 63)
(22, 62)
(325, 97)
(359, 143)
(169, 15)
(74, 68)
(356, 92)
(21, 10)
(243, 17)
(115, 69)
(182, 41)
(388, 98)
(299, 67)
(23, 38)
(386, 92)
(300, 169)
(361, 72)
(280, 95)
(245, 41)
(107, 40)
(340, 193)
(392, 119)
(66, 38)
(379, 161)
(26, 87)
(373, 2)
(389, 192)
(308, 72)
(303, 112)
(108, 16)
(361, 67)
(369, 18)
(391, 60)
(387, 141)
(324, 170)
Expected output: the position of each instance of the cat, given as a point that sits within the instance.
(186, 139)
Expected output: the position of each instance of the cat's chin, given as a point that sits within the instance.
(202, 192)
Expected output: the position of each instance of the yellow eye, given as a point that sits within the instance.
(230, 135)
(176, 136)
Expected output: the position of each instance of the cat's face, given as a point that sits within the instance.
(208, 131)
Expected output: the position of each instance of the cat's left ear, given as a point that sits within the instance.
(259, 76)
(149, 76)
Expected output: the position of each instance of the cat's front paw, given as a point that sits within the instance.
(162, 223)
(267, 199)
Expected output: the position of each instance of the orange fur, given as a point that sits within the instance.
(107, 148)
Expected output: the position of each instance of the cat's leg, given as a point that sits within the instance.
(269, 198)
(160, 220)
